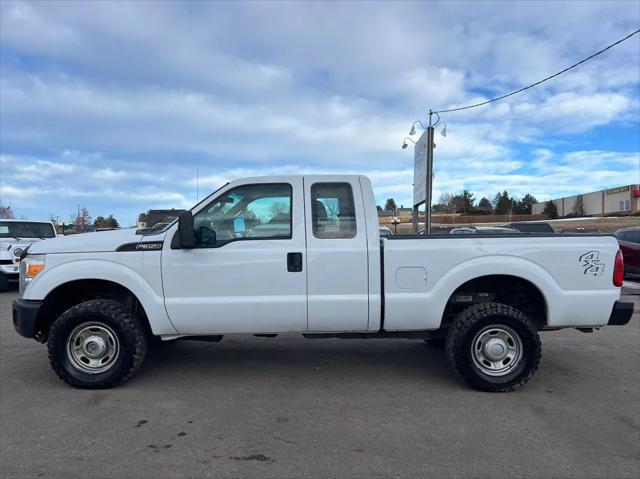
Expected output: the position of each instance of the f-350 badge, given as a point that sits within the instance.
(591, 263)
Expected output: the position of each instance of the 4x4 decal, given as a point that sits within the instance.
(591, 263)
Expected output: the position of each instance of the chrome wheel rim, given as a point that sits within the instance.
(496, 350)
(92, 347)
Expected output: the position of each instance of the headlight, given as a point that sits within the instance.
(30, 267)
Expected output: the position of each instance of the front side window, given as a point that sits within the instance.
(332, 210)
(246, 212)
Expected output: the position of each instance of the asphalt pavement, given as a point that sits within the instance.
(291, 407)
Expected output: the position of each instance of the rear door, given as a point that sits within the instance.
(337, 272)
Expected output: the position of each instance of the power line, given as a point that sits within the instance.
(543, 80)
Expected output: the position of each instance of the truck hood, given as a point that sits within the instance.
(100, 241)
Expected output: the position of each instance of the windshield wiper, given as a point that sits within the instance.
(34, 235)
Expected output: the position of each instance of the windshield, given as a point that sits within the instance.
(164, 224)
(26, 229)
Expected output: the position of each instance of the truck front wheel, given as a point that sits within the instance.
(97, 344)
(494, 347)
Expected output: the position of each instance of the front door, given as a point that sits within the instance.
(247, 271)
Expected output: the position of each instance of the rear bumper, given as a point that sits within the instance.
(25, 313)
(620, 314)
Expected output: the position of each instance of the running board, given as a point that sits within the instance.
(378, 335)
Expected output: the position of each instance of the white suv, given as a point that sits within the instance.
(15, 237)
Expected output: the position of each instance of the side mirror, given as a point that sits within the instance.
(185, 230)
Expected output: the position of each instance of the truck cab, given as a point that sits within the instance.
(300, 250)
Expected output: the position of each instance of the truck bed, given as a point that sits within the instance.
(421, 273)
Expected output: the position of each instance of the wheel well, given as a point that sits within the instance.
(512, 290)
(75, 292)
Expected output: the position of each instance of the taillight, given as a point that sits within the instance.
(618, 270)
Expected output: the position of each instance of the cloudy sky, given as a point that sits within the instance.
(114, 105)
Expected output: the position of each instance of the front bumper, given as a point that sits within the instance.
(10, 271)
(620, 314)
(25, 313)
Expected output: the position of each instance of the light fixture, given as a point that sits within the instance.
(412, 131)
(405, 144)
(444, 131)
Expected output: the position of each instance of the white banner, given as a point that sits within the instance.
(420, 170)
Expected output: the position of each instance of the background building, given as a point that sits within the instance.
(624, 200)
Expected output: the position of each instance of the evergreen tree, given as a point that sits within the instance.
(390, 205)
(551, 210)
(484, 206)
(108, 222)
(503, 203)
(525, 205)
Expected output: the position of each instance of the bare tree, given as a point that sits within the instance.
(279, 212)
(446, 203)
(6, 213)
(578, 206)
(82, 220)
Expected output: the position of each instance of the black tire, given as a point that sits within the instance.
(436, 343)
(478, 318)
(4, 283)
(131, 343)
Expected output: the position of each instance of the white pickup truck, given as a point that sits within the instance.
(303, 254)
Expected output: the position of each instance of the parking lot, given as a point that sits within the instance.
(290, 407)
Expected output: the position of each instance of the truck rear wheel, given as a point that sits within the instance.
(97, 344)
(494, 347)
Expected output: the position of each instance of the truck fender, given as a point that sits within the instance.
(506, 265)
(152, 303)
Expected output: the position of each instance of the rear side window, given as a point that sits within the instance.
(333, 211)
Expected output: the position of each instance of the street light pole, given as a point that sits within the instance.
(430, 145)
(427, 216)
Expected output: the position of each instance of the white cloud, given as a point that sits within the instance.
(573, 113)
(132, 99)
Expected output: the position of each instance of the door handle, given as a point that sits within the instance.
(294, 262)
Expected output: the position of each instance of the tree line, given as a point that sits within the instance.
(465, 203)
(501, 204)
(83, 221)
